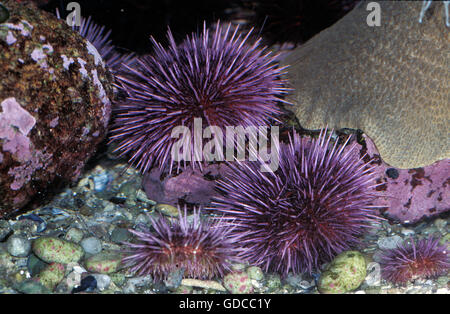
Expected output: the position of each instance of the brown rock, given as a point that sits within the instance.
(391, 81)
(54, 104)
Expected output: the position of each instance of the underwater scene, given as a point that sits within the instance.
(224, 147)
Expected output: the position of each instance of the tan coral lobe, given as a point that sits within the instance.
(391, 81)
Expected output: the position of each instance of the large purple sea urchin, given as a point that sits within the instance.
(313, 207)
(204, 248)
(217, 77)
(416, 259)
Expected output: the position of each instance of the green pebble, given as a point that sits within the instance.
(74, 234)
(51, 275)
(167, 210)
(238, 283)
(50, 249)
(32, 287)
(445, 239)
(345, 273)
(105, 262)
(273, 282)
(255, 273)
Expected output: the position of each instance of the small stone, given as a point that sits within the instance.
(255, 273)
(35, 265)
(74, 234)
(32, 287)
(5, 229)
(167, 210)
(91, 245)
(183, 290)
(238, 283)
(119, 235)
(205, 284)
(106, 262)
(103, 281)
(51, 275)
(88, 284)
(132, 283)
(51, 249)
(18, 246)
(407, 232)
(174, 278)
(388, 243)
(440, 224)
(273, 282)
(345, 273)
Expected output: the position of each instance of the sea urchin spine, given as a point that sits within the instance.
(423, 259)
(316, 205)
(203, 248)
(219, 78)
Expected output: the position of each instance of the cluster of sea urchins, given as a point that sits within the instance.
(202, 247)
(314, 206)
(218, 77)
(412, 260)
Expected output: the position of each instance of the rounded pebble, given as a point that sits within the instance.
(106, 262)
(167, 210)
(74, 234)
(120, 235)
(51, 275)
(51, 249)
(345, 273)
(103, 281)
(18, 246)
(388, 243)
(255, 273)
(238, 283)
(91, 245)
(5, 229)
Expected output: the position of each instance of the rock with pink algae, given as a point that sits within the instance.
(411, 194)
(54, 104)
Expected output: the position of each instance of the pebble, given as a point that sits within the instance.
(87, 284)
(132, 283)
(167, 210)
(51, 275)
(51, 249)
(255, 273)
(18, 246)
(407, 232)
(32, 287)
(105, 262)
(74, 234)
(103, 281)
(388, 243)
(119, 235)
(205, 284)
(238, 283)
(91, 245)
(5, 229)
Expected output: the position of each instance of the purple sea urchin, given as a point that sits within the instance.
(313, 207)
(218, 77)
(416, 259)
(203, 248)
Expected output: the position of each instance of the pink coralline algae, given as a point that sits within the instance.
(411, 194)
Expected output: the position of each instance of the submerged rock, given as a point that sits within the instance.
(54, 104)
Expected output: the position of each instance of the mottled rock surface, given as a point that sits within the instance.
(391, 81)
(54, 104)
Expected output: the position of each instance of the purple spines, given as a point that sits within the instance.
(204, 248)
(219, 77)
(316, 205)
(412, 260)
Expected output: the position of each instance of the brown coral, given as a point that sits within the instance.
(391, 81)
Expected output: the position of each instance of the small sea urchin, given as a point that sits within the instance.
(313, 207)
(422, 259)
(217, 77)
(203, 248)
